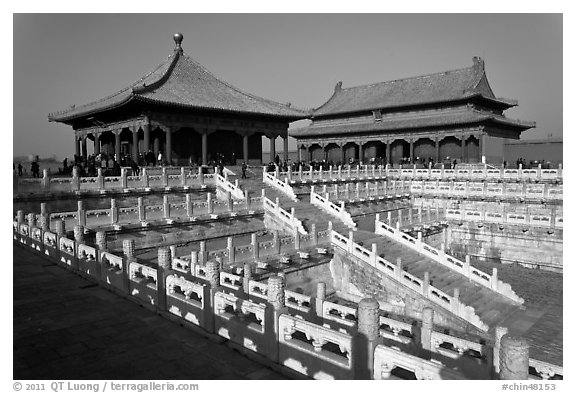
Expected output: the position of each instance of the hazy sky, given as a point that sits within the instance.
(64, 59)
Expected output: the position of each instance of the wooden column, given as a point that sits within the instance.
(285, 148)
(360, 152)
(117, 145)
(272, 148)
(437, 149)
(343, 154)
(84, 148)
(388, 152)
(205, 148)
(480, 147)
(463, 150)
(135, 144)
(156, 146)
(168, 147)
(146, 129)
(245, 148)
(77, 146)
(411, 150)
(96, 144)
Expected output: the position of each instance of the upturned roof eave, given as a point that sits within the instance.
(67, 116)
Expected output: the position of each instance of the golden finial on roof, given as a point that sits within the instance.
(178, 37)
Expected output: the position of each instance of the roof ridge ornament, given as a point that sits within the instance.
(478, 62)
(178, 37)
(338, 87)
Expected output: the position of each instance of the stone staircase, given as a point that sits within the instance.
(490, 306)
(305, 211)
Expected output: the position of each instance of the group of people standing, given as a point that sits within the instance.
(34, 169)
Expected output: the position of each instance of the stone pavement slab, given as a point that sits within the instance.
(66, 328)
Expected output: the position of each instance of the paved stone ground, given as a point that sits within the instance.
(66, 327)
(542, 321)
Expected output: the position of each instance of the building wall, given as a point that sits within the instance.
(547, 150)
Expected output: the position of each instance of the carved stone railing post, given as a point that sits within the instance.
(189, 206)
(231, 250)
(75, 183)
(79, 234)
(209, 203)
(101, 240)
(60, 228)
(43, 223)
(113, 212)
(128, 247)
(78, 239)
(20, 217)
(31, 220)
(499, 332)
(45, 180)
(166, 207)
(276, 306)
(145, 179)
(164, 177)
(514, 356)
(320, 297)
(203, 255)
(246, 278)
(182, 177)
(248, 199)
(367, 338)
(255, 249)
(163, 271)
(141, 210)
(213, 274)
(100, 179)
(81, 214)
(193, 262)
(124, 178)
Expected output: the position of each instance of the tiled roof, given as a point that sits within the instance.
(432, 88)
(415, 121)
(183, 82)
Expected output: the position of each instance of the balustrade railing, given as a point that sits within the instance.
(149, 178)
(386, 359)
(282, 186)
(464, 268)
(396, 273)
(289, 219)
(412, 172)
(234, 190)
(553, 219)
(332, 209)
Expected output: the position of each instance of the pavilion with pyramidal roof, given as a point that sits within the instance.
(183, 111)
